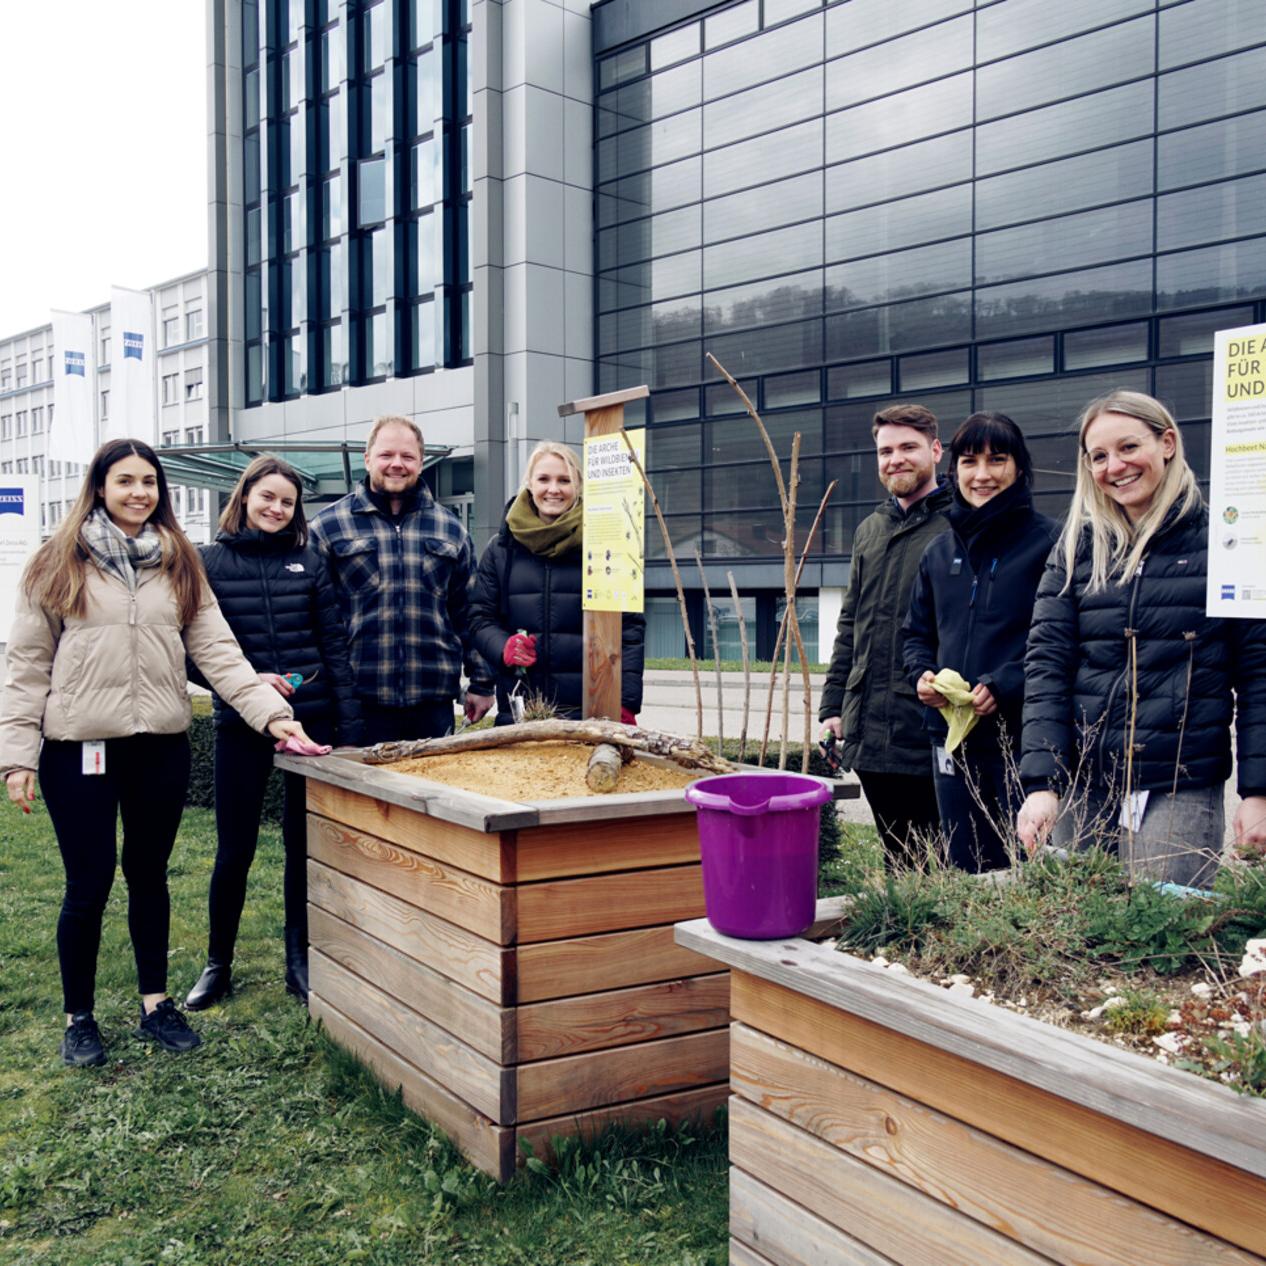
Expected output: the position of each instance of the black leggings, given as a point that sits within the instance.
(145, 780)
(243, 761)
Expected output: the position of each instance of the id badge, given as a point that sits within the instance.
(1132, 809)
(944, 761)
(94, 757)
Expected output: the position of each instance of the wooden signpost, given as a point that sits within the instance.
(604, 415)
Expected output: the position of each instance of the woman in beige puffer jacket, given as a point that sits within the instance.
(95, 699)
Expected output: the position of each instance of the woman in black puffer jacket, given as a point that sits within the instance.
(276, 594)
(970, 610)
(526, 609)
(1130, 687)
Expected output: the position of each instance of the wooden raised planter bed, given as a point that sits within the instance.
(879, 1119)
(511, 967)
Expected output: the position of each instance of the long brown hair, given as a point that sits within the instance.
(55, 578)
(233, 516)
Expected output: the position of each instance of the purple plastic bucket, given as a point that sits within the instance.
(758, 838)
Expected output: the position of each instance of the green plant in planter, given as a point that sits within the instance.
(1149, 928)
(1138, 1011)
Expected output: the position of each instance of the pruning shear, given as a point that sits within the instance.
(518, 705)
(828, 745)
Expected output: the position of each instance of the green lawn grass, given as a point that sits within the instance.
(267, 1146)
(707, 664)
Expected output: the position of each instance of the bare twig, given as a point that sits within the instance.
(789, 585)
(747, 664)
(681, 593)
(716, 652)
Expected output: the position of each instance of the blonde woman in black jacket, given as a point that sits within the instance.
(1130, 689)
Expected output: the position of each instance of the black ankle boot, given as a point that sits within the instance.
(297, 963)
(215, 983)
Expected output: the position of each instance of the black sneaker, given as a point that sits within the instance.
(81, 1046)
(166, 1026)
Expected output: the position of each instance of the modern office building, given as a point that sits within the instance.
(471, 213)
(26, 399)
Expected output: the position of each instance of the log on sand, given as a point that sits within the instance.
(603, 772)
(626, 738)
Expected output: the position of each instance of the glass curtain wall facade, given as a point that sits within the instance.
(356, 192)
(1013, 205)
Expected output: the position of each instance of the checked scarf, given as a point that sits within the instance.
(117, 553)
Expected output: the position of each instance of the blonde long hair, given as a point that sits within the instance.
(55, 578)
(1117, 544)
(552, 448)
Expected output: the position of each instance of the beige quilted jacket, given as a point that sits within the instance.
(119, 669)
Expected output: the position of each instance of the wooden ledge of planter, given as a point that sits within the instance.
(1177, 1106)
(346, 769)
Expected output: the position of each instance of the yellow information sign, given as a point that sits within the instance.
(615, 520)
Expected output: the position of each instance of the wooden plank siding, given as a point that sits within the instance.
(589, 848)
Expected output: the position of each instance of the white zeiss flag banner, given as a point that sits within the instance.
(71, 437)
(131, 412)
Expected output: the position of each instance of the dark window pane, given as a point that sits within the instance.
(765, 158)
(723, 399)
(935, 369)
(892, 225)
(1056, 404)
(1193, 334)
(866, 378)
(673, 447)
(1196, 443)
(783, 202)
(771, 348)
(1212, 275)
(1207, 28)
(250, 167)
(886, 278)
(1060, 70)
(253, 243)
(686, 534)
(660, 279)
(1210, 152)
(332, 207)
(754, 533)
(731, 24)
(1016, 358)
(250, 82)
(650, 99)
(678, 491)
(782, 251)
(792, 389)
(764, 302)
(652, 191)
(669, 322)
(737, 439)
(1119, 114)
(1233, 208)
(1186, 389)
(674, 406)
(658, 235)
(906, 116)
(1226, 86)
(762, 109)
(848, 428)
(380, 265)
(900, 63)
(862, 22)
(334, 279)
(1068, 299)
(943, 160)
(769, 56)
(621, 66)
(1090, 238)
(650, 146)
(1109, 345)
(1107, 175)
(1019, 24)
(899, 328)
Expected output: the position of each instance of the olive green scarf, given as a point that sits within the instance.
(547, 540)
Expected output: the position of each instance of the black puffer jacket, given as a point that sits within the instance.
(1078, 671)
(972, 604)
(283, 610)
(516, 589)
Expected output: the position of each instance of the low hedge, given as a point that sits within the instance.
(202, 774)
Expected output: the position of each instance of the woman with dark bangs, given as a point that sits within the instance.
(970, 610)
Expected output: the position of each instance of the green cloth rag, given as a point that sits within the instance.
(960, 714)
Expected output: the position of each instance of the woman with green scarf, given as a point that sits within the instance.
(526, 609)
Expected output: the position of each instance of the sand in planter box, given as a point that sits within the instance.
(537, 771)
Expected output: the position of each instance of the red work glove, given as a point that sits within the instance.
(519, 651)
(626, 717)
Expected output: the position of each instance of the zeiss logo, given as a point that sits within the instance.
(132, 344)
(1228, 593)
(75, 363)
(12, 501)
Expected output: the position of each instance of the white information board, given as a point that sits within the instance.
(1237, 475)
(19, 538)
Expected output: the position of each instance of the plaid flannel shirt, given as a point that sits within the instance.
(404, 585)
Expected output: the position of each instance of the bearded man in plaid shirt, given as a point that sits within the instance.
(403, 567)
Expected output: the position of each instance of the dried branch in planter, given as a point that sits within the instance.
(716, 652)
(687, 753)
(747, 663)
(681, 593)
(603, 771)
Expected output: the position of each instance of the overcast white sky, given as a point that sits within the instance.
(103, 120)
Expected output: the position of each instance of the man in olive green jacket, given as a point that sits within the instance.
(868, 701)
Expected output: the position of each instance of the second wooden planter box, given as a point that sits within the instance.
(877, 1119)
